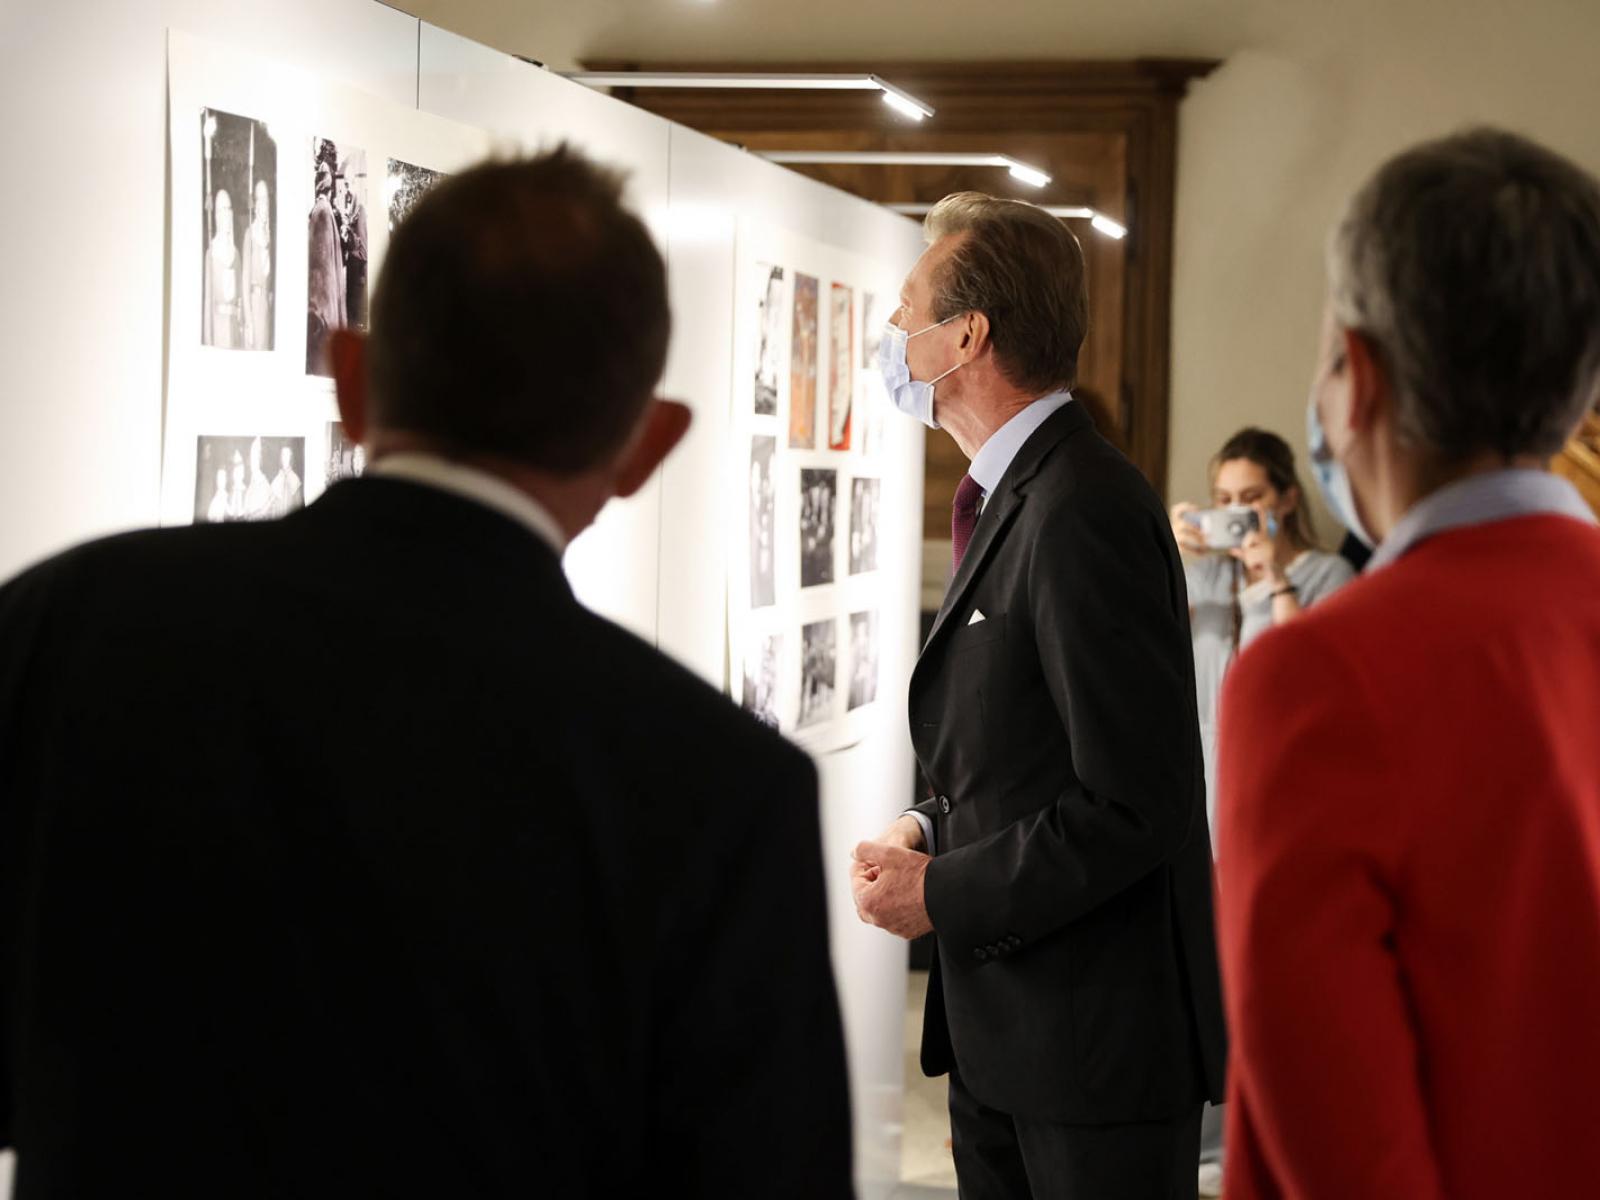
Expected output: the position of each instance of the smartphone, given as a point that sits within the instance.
(1224, 528)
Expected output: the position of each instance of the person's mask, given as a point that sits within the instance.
(910, 396)
(1332, 479)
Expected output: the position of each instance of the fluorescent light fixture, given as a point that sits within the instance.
(896, 98)
(1069, 211)
(1109, 227)
(1027, 174)
(928, 158)
(1101, 222)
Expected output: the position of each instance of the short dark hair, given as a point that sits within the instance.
(1473, 264)
(1023, 269)
(522, 313)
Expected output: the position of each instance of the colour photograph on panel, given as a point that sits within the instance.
(863, 658)
(239, 187)
(336, 240)
(760, 696)
(841, 369)
(819, 670)
(770, 346)
(248, 478)
(864, 494)
(763, 523)
(803, 365)
(818, 491)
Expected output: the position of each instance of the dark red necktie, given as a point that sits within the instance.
(963, 517)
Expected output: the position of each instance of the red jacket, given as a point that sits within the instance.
(1409, 879)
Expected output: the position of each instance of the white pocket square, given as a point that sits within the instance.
(977, 615)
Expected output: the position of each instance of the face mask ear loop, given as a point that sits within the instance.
(936, 379)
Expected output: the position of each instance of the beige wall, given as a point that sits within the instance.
(1274, 142)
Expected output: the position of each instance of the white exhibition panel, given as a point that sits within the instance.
(614, 565)
(85, 84)
(85, 364)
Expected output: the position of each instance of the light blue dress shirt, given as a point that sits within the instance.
(1477, 500)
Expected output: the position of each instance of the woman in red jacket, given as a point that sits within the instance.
(1409, 873)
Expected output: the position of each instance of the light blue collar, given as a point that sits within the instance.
(1478, 500)
(989, 464)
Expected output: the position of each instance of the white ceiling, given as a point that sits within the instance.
(560, 33)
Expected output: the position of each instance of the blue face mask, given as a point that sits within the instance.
(1332, 479)
(910, 396)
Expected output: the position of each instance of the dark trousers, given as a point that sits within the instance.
(1002, 1157)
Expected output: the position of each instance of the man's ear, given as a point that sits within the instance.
(347, 355)
(1368, 381)
(660, 429)
(974, 336)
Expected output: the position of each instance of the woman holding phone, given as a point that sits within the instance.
(1242, 581)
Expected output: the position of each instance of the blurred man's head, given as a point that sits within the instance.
(222, 212)
(1463, 327)
(521, 323)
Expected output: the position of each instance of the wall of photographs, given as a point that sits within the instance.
(169, 328)
(803, 579)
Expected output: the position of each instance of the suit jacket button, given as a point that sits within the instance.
(980, 954)
(944, 805)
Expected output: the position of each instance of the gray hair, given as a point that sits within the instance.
(1023, 270)
(1473, 264)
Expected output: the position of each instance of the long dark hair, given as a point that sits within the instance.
(1272, 454)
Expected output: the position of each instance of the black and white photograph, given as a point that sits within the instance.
(239, 193)
(336, 242)
(248, 478)
(346, 459)
(404, 186)
(818, 491)
(863, 525)
(770, 348)
(763, 521)
(761, 678)
(873, 319)
(863, 658)
(819, 667)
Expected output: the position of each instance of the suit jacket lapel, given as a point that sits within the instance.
(1002, 507)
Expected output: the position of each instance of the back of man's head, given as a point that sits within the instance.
(1023, 269)
(1473, 264)
(521, 314)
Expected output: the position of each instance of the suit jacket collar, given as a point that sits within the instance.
(451, 529)
(1004, 504)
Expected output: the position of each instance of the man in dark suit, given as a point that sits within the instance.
(1063, 861)
(509, 905)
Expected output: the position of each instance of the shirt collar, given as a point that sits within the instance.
(994, 456)
(491, 491)
(1478, 500)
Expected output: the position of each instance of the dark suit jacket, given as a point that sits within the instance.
(347, 855)
(1076, 978)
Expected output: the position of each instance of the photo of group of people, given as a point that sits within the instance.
(818, 495)
(819, 666)
(248, 478)
(336, 243)
(239, 186)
